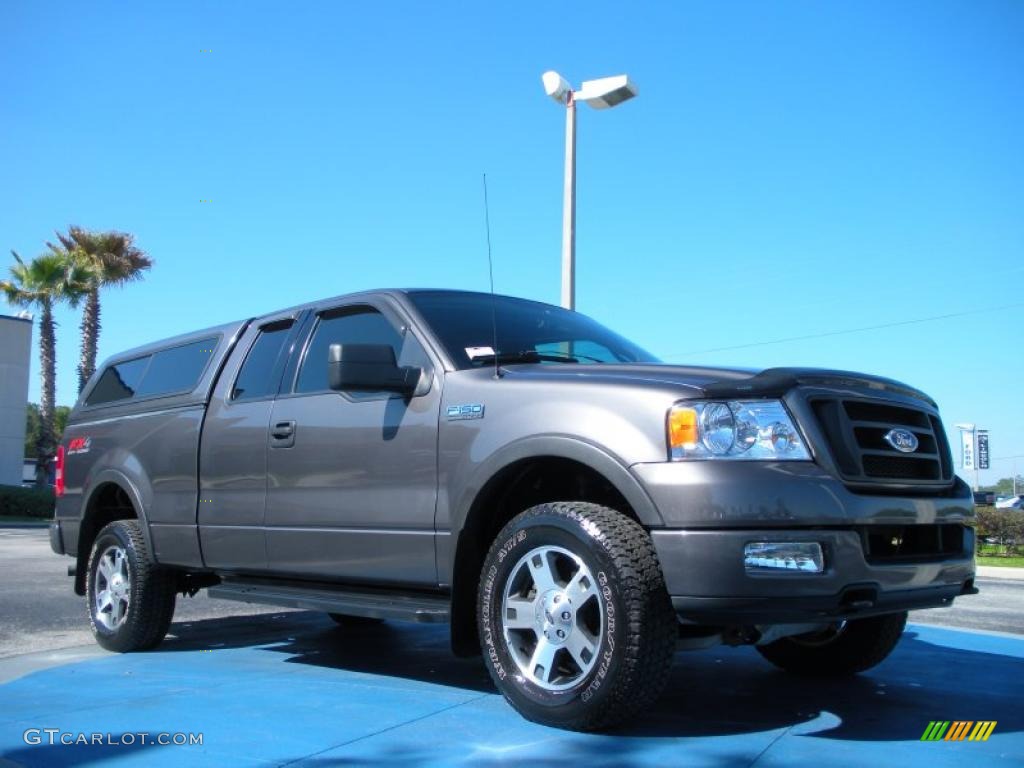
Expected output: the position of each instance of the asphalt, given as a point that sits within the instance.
(40, 610)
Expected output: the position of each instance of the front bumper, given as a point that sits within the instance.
(713, 509)
(706, 578)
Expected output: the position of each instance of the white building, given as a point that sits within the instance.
(15, 352)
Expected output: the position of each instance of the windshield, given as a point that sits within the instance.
(528, 331)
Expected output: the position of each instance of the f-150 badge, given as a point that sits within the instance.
(464, 412)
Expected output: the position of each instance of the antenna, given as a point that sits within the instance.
(490, 269)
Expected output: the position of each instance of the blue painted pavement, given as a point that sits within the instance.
(314, 694)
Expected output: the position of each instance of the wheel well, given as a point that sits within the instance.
(517, 487)
(110, 502)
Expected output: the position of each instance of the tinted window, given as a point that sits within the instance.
(177, 369)
(464, 321)
(361, 325)
(257, 377)
(118, 382)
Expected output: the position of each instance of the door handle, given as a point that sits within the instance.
(283, 434)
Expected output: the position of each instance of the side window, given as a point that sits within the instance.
(257, 379)
(118, 382)
(177, 369)
(359, 325)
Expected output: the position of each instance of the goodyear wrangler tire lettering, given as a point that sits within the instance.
(553, 587)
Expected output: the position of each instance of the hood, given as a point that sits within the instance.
(716, 382)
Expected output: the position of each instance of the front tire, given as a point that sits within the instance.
(130, 598)
(841, 650)
(576, 625)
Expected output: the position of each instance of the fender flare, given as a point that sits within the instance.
(107, 477)
(584, 452)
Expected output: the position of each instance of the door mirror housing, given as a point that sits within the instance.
(369, 368)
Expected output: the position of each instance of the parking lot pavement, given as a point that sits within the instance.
(40, 611)
(321, 695)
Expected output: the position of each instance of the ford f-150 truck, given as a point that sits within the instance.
(573, 508)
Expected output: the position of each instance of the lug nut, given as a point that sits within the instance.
(561, 634)
(558, 598)
(566, 615)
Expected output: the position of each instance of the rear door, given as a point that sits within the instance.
(353, 477)
(233, 447)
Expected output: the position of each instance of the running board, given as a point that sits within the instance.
(375, 604)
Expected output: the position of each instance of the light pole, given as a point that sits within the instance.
(603, 93)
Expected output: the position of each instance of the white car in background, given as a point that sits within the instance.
(1013, 502)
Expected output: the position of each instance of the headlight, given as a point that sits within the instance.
(738, 429)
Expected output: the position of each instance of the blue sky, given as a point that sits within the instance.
(788, 169)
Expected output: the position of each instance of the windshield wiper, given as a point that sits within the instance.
(533, 356)
(526, 356)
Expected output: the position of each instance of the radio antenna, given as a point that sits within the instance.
(490, 269)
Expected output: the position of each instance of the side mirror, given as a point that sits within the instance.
(369, 368)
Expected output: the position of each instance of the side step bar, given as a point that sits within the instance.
(372, 604)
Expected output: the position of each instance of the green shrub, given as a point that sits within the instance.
(26, 502)
(1006, 526)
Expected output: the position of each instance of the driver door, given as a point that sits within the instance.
(352, 477)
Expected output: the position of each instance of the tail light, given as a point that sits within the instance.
(58, 480)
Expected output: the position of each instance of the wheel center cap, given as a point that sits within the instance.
(555, 616)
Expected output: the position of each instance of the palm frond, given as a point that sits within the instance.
(113, 254)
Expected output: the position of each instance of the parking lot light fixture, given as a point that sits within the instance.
(603, 93)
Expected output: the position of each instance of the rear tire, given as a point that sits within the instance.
(854, 646)
(129, 597)
(575, 623)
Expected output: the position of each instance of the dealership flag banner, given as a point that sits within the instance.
(982, 449)
(967, 441)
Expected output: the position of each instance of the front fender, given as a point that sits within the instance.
(611, 467)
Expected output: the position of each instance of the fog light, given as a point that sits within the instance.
(803, 556)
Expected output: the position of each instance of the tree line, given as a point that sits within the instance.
(72, 271)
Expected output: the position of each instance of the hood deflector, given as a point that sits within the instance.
(775, 382)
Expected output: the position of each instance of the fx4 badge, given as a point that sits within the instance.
(464, 412)
(79, 445)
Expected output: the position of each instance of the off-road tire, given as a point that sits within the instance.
(345, 620)
(638, 638)
(152, 591)
(859, 646)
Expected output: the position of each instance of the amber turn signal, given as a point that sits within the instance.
(682, 427)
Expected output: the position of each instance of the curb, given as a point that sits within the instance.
(999, 572)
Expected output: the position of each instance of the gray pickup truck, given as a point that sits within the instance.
(573, 508)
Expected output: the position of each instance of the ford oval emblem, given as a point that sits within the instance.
(903, 440)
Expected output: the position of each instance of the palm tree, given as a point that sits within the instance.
(45, 281)
(113, 260)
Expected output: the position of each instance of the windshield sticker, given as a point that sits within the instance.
(474, 352)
